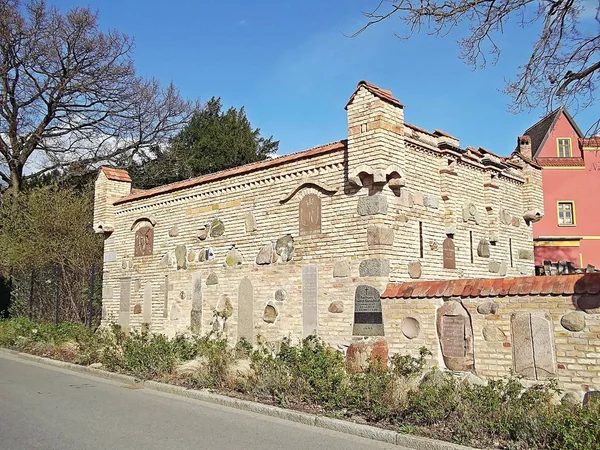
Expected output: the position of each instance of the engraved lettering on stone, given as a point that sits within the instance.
(368, 317)
(449, 254)
(453, 336)
(124, 303)
(144, 241)
(310, 293)
(310, 214)
(534, 354)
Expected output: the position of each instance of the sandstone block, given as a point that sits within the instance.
(380, 236)
(341, 269)
(375, 204)
(378, 267)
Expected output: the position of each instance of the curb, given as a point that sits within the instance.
(342, 426)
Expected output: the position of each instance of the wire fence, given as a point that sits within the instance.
(54, 295)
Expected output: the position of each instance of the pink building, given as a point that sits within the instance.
(570, 228)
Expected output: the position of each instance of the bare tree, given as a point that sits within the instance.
(564, 64)
(69, 94)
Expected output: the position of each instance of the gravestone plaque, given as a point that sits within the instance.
(246, 310)
(196, 313)
(144, 241)
(453, 336)
(147, 309)
(310, 214)
(124, 303)
(449, 254)
(534, 354)
(368, 318)
(455, 333)
(310, 291)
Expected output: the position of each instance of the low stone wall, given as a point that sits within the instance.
(538, 327)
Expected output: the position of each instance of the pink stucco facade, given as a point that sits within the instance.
(575, 179)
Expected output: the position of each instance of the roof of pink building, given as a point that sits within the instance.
(555, 161)
(588, 283)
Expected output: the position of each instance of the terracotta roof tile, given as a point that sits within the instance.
(115, 174)
(383, 94)
(241, 170)
(554, 161)
(592, 142)
(443, 133)
(419, 129)
(485, 287)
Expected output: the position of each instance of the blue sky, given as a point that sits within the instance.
(289, 63)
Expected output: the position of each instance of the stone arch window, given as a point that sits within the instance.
(144, 236)
(309, 211)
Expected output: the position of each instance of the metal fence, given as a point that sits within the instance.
(55, 295)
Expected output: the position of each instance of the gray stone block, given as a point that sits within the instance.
(375, 204)
(378, 267)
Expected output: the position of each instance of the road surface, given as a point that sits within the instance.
(48, 408)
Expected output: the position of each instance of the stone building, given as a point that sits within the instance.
(306, 242)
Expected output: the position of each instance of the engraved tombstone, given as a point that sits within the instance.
(310, 215)
(309, 300)
(368, 317)
(456, 336)
(246, 310)
(196, 313)
(534, 354)
(449, 254)
(144, 241)
(124, 303)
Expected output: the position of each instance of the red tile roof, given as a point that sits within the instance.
(554, 161)
(115, 174)
(592, 142)
(241, 170)
(588, 283)
(443, 133)
(383, 94)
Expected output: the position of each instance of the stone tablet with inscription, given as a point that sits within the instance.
(368, 318)
(534, 354)
(449, 254)
(310, 292)
(125, 303)
(144, 241)
(246, 310)
(310, 215)
(147, 309)
(456, 336)
(196, 313)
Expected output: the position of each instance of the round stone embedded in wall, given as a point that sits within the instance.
(590, 303)
(191, 256)
(180, 256)
(488, 307)
(124, 264)
(433, 245)
(137, 309)
(137, 284)
(217, 228)
(336, 307)
(270, 314)
(281, 295)
(174, 231)
(492, 333)
(410, 327)
(212, 279)
(284, 247)
(494, 266)
(414, 269)
(181, 295)
(234, 257)
(573, 321)
(202, 233)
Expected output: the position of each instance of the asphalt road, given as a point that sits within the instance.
(54, 409)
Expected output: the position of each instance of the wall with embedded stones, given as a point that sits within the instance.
(307, 242)
(538, 328)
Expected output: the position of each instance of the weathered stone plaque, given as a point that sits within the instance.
(534, 354)
(453, 336)
(144, 241)
(310, 214)
(147, 309)
(166, 297)
(455, 333)
(449, 254)
(246, 310)
(368, 318)
(125, 303)
(196, 313)
(310, 292)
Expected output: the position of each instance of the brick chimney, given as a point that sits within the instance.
(525, 146)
